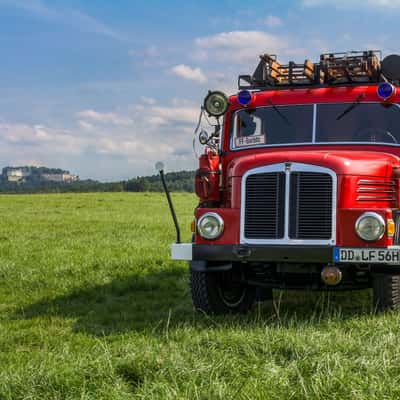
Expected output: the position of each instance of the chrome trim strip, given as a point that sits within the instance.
(376, 182)
(294, 167)
(314, 144)
(287, 199)
(369, 198)
(375, 189)
(314, 127)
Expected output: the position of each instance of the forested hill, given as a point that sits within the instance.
(182, 181)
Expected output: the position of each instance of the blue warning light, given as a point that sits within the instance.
(244, 97)
(385, 90)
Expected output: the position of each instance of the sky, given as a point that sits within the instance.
(105, 89)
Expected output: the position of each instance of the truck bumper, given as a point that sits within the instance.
(205, 252)
(200, 254)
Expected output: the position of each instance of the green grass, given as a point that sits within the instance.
(91, 307)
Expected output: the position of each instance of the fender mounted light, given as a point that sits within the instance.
(385, 90)
(370, 226)
(244, 97)
(216, 103)
(210, 226)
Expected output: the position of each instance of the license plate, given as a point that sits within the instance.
(375, 256)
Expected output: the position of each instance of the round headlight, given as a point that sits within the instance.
(216, 103)
(370, 226)
(210, 226)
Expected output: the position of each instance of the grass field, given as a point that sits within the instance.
(91, 307)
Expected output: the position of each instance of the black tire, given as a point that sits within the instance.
(221, 292)
(386, 289)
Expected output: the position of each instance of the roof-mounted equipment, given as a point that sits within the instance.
(354, 66)
(270, 72)
(351, 68)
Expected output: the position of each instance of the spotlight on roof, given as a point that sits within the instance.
(216, 103)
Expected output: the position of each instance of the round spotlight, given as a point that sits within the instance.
(216, 103)
(210, 226)
(245, 97)
(385, 90)
(370, 226)
(159, 166)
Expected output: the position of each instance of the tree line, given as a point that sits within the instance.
(182, 181)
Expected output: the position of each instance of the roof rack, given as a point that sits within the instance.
(353, 67)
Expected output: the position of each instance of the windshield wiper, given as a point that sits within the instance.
(395, 105)
(352, 106)
(279, 112)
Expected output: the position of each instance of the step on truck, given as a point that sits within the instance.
(299, 183)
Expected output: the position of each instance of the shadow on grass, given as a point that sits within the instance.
(160, 299)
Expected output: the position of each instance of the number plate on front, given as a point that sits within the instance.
(357, 255)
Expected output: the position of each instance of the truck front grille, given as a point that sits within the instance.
(308, 207)
(265, 206)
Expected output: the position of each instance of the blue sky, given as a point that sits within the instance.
(106, 88)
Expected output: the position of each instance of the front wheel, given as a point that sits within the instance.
(221, 292)
(386, 291)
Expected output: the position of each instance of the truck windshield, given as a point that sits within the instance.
(293, 124)
(273, 125)
(367, 122)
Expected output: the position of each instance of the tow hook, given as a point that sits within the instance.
(331, 275)
(243, 252)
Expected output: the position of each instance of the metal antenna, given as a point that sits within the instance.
(160, 168)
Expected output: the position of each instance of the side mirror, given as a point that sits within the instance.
(203, 137)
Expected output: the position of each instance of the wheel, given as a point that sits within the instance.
(386, 289)
(221, 292)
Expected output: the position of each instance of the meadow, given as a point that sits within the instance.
(92, 307)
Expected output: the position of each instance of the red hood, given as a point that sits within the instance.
(368, 163)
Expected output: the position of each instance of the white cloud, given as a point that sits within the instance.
(150, 56)
(272, 21)
(148, 100)
(189, 73)
(87, 126)
(125, 151)
(166, 115)
(39, 139)
(103, 118)
(239, 46)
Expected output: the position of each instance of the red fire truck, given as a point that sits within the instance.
(299, 184)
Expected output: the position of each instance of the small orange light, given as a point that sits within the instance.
(193, 226)
(390, 228)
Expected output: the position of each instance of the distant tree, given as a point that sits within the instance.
(182, 181)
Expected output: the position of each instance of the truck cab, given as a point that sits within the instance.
(298, 184)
